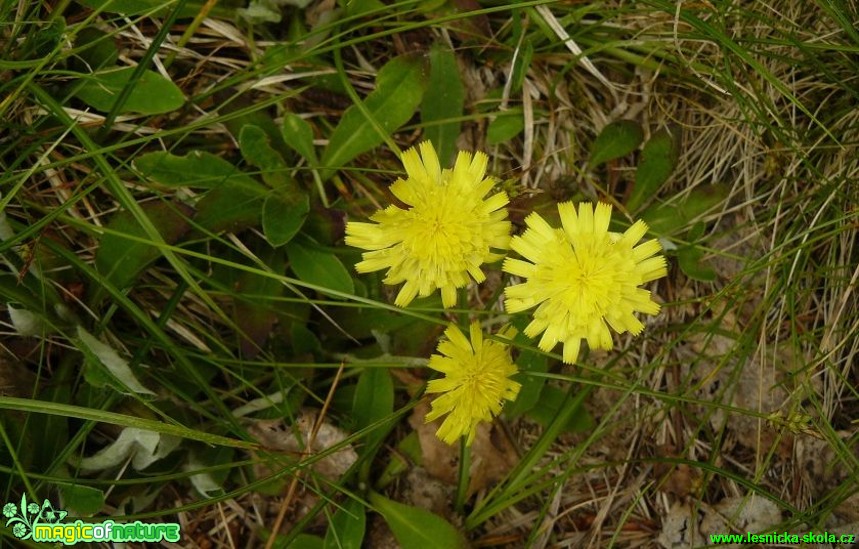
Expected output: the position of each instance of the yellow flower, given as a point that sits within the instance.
(476, 383)
(443, 236)
(582, 278)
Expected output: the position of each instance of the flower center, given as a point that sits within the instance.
(440, 231)
(586, 277)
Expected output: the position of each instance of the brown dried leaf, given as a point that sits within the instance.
(274, 435)
(680, 528)
(742, 514)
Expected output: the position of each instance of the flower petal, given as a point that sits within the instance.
(476, 383)
(447, 232)
(583, 279)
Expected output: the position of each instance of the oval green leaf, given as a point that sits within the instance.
(298, 135)
(374, 401)
(442, 109)
(199, 169)
(505, 127)
(549, 404)
(417, 528)
(668, 219)
(257, 151)
(119, 259)
(521, 66)
(320, 268)
(96, 48)
(400, 87)
(615, 140)
(150, 94)
(658, 158)
(690, 261)
(99, 354)
(233, 206)
(282, 217)
(346, 530)
(305, 541)
(82, 500)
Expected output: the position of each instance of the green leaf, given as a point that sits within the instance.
(408, 452)
(151, 94)
(139, 446)
(346, 530)
(669, 219)
(83, 500)
(358, 7)
(325, 225)
(28, 323)
(304, 342)
(257, 151)
(197, 169)
(441, 109)
(400, 87)
(507, 125)
(261, 11)
(98, 353)
(417, 528)
(254, 316)
(520, 68)
(689, 260)
(121, 260)
(549, 404)
(96, 48)
(233, 206)
(298, 135)
(317, 267)
(26, 293)
(658, 159)
(282, 217)
(532, 386)
(214, 457)
(615, 140)
(696, 232)
(241, 112)
(374, 401)
(305, 541)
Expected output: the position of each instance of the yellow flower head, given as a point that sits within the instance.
(582, 278)
(443, 236)
(476, 382)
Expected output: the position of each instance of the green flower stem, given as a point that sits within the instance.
(464, 476)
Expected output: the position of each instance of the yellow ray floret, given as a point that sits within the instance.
(443, 236)
(476, 382)
(582, 278)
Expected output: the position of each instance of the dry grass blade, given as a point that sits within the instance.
(311, 439)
